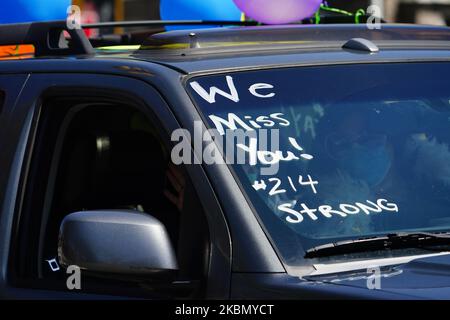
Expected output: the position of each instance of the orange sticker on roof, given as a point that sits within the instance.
(12, 52)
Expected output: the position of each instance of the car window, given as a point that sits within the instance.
(102, 156)
(337, 152)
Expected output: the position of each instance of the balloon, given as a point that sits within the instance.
(13, 11)
(198, 10)
(278, 11)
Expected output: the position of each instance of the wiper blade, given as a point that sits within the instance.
(423, 240)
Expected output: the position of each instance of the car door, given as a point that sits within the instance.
(30, 266)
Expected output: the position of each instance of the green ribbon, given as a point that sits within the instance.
(323, 7)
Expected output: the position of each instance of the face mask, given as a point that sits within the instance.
(368, 161)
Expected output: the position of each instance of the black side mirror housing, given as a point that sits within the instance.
(116, 243)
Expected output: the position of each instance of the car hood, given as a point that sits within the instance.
(423, 278)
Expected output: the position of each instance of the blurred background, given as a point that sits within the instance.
(435, 12)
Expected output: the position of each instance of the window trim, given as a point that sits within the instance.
(46, 100)
(166, 122)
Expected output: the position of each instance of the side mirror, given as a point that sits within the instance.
(116, 243)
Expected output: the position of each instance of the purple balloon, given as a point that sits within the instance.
(278, 11)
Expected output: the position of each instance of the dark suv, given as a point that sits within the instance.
(284, 162)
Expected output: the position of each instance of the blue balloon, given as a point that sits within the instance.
(198, 10)
(13, 11)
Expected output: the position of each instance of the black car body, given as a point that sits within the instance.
(236, 253)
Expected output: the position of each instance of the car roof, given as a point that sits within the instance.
(222, 39)
(215, 49)
(235, 48)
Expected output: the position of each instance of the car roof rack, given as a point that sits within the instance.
(49, 39)
(151, 27)
(304, 36)
(137, 38)
(46, 37)
(163, 23)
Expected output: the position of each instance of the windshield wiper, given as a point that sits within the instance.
(421, 240)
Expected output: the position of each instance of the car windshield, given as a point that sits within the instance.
(337, 152)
